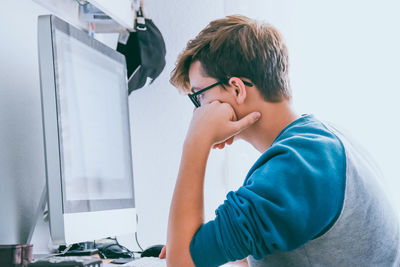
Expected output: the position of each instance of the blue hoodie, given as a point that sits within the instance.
(292, 194)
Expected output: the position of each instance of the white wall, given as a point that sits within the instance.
(343, 68)
(21, 143)
(345, 64)
(159, 118)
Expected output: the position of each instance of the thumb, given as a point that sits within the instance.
(163, 253)
(246, 121)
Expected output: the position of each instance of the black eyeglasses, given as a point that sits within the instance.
(194, 97)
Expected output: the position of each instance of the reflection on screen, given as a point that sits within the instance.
(93, 123)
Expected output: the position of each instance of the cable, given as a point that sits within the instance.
(65, 250)
(137, 242)
(106, 249)
(57, 254)
(123, 247)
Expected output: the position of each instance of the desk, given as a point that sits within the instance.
(106, 262)
(239, 264)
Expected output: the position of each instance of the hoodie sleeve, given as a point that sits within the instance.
(294, 194)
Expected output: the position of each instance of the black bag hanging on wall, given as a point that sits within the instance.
(144, 52)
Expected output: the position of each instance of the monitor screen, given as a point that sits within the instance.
(94, 131)
(86, 134)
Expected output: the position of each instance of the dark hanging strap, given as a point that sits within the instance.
(140, 21)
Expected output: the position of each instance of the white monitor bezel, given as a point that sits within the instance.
(69, 225)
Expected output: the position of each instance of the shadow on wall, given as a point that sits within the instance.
(21, 161)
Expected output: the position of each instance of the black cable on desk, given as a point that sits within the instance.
(137, 242)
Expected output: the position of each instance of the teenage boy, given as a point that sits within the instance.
(311, 199)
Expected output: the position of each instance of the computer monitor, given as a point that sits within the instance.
(88, 157)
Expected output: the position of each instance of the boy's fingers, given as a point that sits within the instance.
(223, 144)
(230, 140)
(246, 121)
(163, 253)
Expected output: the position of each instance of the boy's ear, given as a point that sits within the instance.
(238, 89)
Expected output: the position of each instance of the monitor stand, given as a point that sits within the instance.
(39, 234)
(40, 211)
(41, 230)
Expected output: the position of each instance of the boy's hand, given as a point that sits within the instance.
(222, 145)
(163, 253)
(216, 123)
